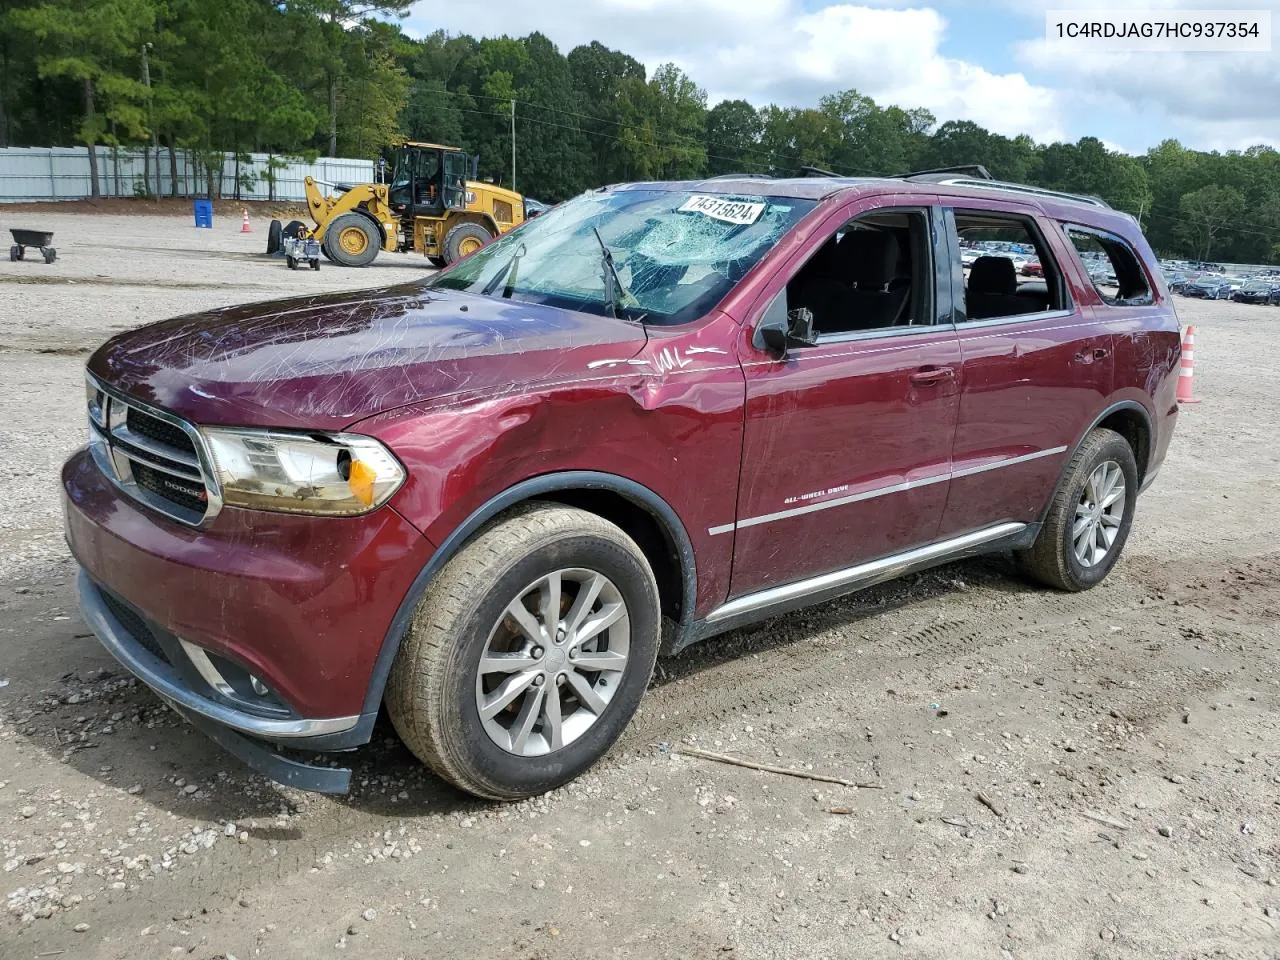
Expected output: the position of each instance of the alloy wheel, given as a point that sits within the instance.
(1099, 514)
(553, 662)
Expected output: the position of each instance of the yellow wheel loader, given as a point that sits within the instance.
(428, 205)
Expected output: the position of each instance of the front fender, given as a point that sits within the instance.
(531, 489)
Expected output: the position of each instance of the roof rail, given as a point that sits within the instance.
(739, 176)
(976, 175)
(817, 172)
(969, 169)
(1024, 188)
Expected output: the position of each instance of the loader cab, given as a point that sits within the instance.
(426, 179)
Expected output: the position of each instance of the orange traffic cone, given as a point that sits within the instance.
(244, 227)
(1187, 371)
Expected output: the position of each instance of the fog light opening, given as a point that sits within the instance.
(259, 687)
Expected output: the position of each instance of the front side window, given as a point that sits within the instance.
(874, 273)
(1112, 267)
(652, 256)
(1009, 270)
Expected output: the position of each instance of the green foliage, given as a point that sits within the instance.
(307, 77)
(1206, 213)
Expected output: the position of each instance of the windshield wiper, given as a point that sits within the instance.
(507, 273)
(614, 291)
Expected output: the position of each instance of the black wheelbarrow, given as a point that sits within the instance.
(32, 238)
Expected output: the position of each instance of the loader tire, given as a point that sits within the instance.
(464, 239)
(351, 240)
(274, 234)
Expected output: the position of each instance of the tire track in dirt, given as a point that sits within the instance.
(800, 665)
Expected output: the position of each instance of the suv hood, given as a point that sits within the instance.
(322, 363)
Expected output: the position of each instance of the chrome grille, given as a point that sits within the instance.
(152, 455)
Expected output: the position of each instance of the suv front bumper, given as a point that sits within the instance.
(262, 629)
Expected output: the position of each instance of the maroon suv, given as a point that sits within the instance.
(655, 413)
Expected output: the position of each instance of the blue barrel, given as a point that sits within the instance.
(204, 213)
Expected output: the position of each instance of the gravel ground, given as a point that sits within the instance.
(1061, 776)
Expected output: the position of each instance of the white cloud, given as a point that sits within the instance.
(1216, 101)
(1210, 100)
(775, 51)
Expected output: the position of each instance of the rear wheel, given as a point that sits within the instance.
(1090, 517)
(351, 240)
(50, 254)
(464, 239)
(15, 252)
(437, 262)
(274, 233)
(528, 654)
(292, 229)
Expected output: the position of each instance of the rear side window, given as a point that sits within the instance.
(1008, 269)
(1112, 266)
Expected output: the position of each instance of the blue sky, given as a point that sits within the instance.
(981, 60)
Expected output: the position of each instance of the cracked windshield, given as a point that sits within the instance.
(656, 256)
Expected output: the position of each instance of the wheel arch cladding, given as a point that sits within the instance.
(637, 510)
(1132, 422)
(1128, 418)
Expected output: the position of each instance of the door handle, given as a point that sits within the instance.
(932, 375)
(1088, 356)
(1101, 353)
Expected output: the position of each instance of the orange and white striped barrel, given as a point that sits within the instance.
(1187, 367)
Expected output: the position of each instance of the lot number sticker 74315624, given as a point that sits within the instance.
(730, 211)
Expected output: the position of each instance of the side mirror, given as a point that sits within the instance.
(800, 327)
(780, 333)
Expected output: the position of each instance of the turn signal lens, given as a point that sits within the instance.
(361, 480)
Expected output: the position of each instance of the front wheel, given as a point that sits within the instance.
(528, 654)
(351, 240)
(1089, 519)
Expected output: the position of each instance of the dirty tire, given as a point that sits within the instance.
(15, 253)
(437, 262)
(274, 234)
(431, 693)
(351, 240)
(50, 254)
(462, 236)
(292, 229)
(1051, 560)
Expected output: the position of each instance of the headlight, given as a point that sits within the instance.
(332, 474)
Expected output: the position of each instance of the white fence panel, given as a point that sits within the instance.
(63, 173)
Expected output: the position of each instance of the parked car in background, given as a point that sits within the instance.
(1254, 291)
(1102, 274)
(473, 498)
(534, 208)
(1204, 287)
(1228, 287)
(1032, 268)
